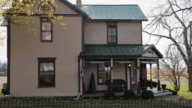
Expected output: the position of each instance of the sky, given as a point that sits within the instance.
(145, 5)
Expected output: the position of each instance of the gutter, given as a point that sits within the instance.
(78, 80)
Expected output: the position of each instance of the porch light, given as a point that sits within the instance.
(129, 65)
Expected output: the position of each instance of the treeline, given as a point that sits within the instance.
(3, 68)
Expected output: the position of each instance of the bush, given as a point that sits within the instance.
(154, 84)
(147, 94)
(129, 94)
(173, 92)
(4, 91)
(108, 95)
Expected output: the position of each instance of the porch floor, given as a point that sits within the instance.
(154, 90)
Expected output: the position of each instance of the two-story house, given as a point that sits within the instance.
(102, 39)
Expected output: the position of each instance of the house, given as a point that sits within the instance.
(102, 39)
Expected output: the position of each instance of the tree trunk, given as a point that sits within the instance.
(190, 78)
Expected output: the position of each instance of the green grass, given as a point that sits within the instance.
(1, 94)
(186, 95)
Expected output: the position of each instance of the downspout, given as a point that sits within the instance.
(83, 35)
(78, 80)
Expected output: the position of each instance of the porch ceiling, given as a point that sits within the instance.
(119, 50)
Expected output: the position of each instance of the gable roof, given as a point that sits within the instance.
(114, 12)
(75, 8)
(119, 50)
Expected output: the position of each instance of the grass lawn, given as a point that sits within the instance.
(183, 92)
(0, 91)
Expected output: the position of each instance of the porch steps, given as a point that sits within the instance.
(159, 93)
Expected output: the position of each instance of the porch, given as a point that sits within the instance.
(154, 90)
(108, 63)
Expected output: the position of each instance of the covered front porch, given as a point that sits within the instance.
(116, 68)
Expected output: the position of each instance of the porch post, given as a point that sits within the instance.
(158, 75)
(150, 78)
(138, 76)
(111, 74)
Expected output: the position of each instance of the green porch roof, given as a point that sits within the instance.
(119, 50)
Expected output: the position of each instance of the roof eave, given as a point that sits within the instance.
(75, 8)
(119, 19)
(155, 49)
(108, 56)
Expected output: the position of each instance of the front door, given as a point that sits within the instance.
(133, 77)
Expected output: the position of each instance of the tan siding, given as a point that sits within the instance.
(128, 32)
(26, 48)
(119, 71)
(60, 9)
(95, 32)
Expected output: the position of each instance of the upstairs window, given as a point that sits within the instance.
(46, 30)
(112, 33)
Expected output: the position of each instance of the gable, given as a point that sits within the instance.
(61, 8)
(150, 53)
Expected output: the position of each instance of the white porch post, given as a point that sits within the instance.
(158, 75)
(111, 74)
(150, 77)
(138, 76)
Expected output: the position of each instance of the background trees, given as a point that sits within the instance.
(173, 67)
(172, 21)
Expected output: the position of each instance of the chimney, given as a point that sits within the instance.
(78, 2)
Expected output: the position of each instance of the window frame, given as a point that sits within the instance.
(40, 60)
(108, 25)
(41, 37)
(106, 75)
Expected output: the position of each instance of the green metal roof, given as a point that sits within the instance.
(119, 50)
(114, 12)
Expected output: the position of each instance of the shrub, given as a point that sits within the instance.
(4, 91)
(154, 84)
(108, 95)
(147, 94)
(129, 94)
(174, 92)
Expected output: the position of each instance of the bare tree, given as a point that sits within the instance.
(172, 21)
(174, 68)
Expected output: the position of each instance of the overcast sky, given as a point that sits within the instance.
(145, 5)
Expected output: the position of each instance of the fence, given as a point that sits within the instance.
(69, 102)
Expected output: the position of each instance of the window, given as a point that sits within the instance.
(46, 72)
(112, 33)
(46, 30)
(104, 73)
